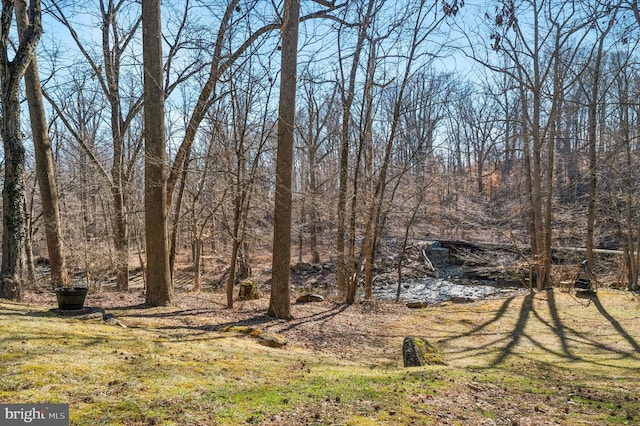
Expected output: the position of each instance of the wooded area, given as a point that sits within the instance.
(317, 131)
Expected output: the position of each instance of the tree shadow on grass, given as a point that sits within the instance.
(558, 327)
(501, 312)
(548, 330)
(571, 339)
(616, 325)
(322, 316)
(518, 331)
(482, 329)
(142, 311)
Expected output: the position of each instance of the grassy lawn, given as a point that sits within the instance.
(544, 359)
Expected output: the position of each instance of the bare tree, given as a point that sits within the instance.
(427, 98)
(315, 132)
(536, 53)
(11, 72)
(479, 115)
(230, 44)
(280, 302)
(248, 139)
(348, 76)
(44, 164)
(421, 23)
(159, 285)
(116, 39)
(200, 209)
(120, 21)
(594, 98)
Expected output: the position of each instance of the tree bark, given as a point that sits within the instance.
(235, 245)
(28, 238)
(11, 73)
(159, 286)
(280, 303)
(197, 263)
(44, 164)
(120, 239)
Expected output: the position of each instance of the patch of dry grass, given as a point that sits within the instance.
(544, 359)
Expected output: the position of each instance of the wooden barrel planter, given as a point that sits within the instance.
(71, 298)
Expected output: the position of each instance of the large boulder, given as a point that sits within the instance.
(418, 352)
(273, 340)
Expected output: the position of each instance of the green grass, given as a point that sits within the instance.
(526, 357)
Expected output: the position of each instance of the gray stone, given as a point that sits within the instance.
(112, 320)
(418, 352)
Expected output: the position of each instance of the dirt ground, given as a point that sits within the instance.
(328, 326)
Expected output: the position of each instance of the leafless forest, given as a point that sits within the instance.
(502, 121)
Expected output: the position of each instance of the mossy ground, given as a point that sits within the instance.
(543, 359)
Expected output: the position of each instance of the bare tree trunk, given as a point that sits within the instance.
(197, 264)
(175, 227)
(280, 303)
(344, 263)
(556, 108)
(159, 286)
(593, 181)
(244, 265)
(28, 240)
(44, 164)
(140, 249)
(235, 244)
(536, 175)
(313, 219)
(405, 240)
(631, 259)
(341, 260)
(120, 240)
(592, 135)
(239, 264)
(303, 218)
(11, 73)
(369, 239)
(12, 197)
(593, 154)
(353, 265)
(375, 215)
(119, 125)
